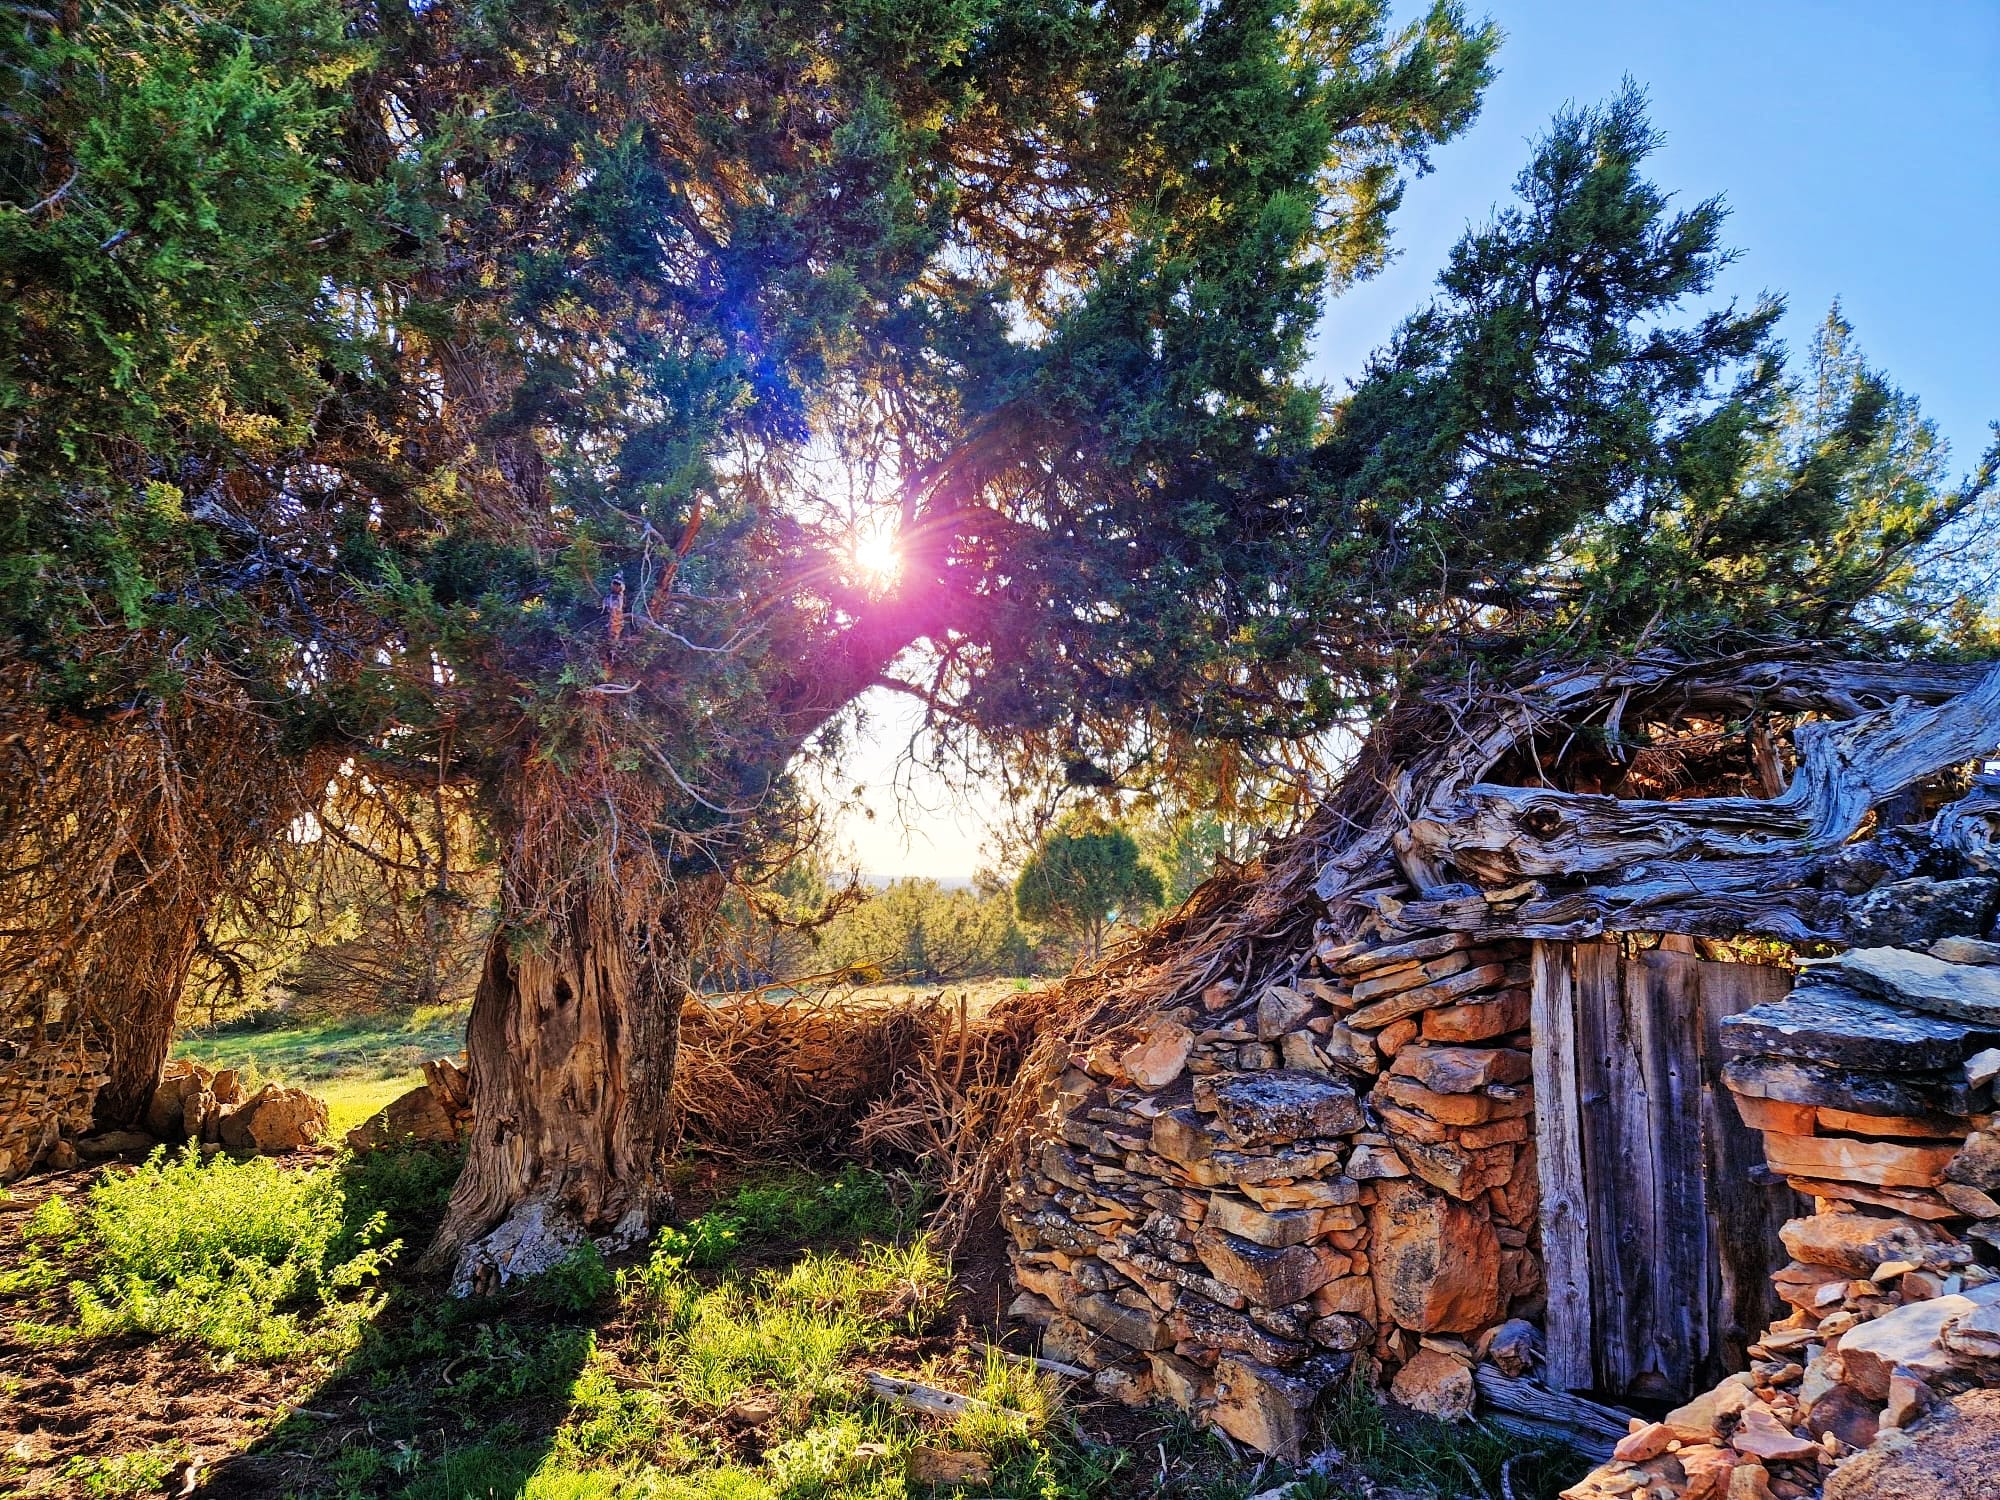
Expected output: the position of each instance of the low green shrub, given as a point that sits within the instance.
(244, 1257)
(577, 1282)
(855, 1205)
(141, 1473)
(54, 1219)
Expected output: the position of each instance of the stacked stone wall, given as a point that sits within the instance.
(47, 1088)
(1224, 1209)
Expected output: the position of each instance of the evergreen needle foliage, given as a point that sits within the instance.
(514, 402)
(1087, 874)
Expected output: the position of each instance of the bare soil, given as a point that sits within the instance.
(65, 1404)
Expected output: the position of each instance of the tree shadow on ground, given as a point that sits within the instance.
(443, 1399)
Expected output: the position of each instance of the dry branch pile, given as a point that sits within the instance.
(923, 1079)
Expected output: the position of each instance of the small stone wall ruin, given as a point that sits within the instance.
(1226, 1209)
(48, 1084)
(1231, 1198)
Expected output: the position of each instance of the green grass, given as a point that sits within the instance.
(356, 1065)
(241, 1257)
(1432, 1457)
(800, 1207)
(349, 1101)
(783, 1349)
(143, 1472)
(730, 1363)
(368, 1048)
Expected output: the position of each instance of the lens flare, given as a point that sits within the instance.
(874, 551)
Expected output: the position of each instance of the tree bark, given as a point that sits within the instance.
(574, 1033)
(163, 890)
(136, 980)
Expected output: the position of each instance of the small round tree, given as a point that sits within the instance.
(1086, 875)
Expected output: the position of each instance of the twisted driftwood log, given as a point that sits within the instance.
(1535, 862)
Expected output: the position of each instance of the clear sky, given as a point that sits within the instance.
(1857, 146)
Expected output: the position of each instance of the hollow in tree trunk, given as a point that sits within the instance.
(572, 1042)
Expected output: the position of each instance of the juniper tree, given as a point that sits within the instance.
(1027, 283)
(1568, 446)
(1087, 874)
(627, 325)
(169, 228)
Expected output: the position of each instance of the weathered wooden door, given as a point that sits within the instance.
(1658, 1240)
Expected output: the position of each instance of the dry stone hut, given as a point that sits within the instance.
(1516, 1075)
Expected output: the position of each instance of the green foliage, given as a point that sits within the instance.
(170, 222)
(789, 1329)
(577, 1282)
(1086, 875)
(245, 1258)
(797, 1207)
(1565, 447)
(143, 1472)
(917, 931)
(53, 1219)
(407, 1184)
(1188, 848)
(1437, 1457)
(911, 931)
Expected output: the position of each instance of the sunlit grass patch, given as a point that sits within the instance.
(362, 1053)
(245, 1258)
(140, 1473)
(800, 1206)
(789, 1330)
(349, 1101)
(776, 1359)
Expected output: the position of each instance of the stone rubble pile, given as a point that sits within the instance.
(436, 1112)
(46, 1094)
(1895, 1330)
(1226, 1210)
(1872, 1084)
(209, 1105)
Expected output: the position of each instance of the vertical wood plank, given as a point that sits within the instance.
(1744, 1215)
(1565, 1212)
(1619, 1168)
(1668, 1030)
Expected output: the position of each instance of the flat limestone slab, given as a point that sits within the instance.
(1832, 1023)
(1277, 1108)
(1964, 992)
(1843, 1159)
(1852, 1089)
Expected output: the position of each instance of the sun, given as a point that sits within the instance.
(874, 551)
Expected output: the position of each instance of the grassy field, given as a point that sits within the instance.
(357, 1065)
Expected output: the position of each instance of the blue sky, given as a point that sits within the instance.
(1858, 148)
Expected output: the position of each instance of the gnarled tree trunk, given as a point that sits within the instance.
(134, 984)
(199, 834)
(574, 1032)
